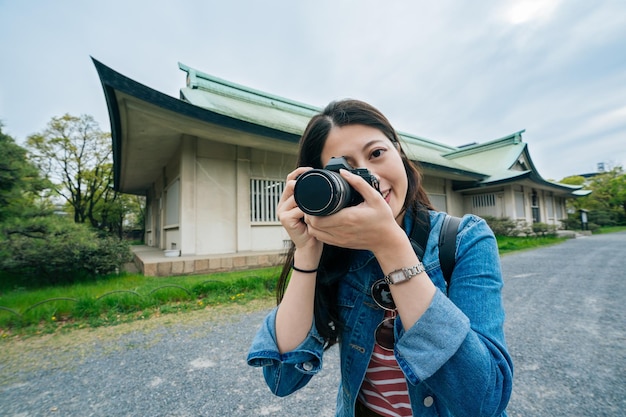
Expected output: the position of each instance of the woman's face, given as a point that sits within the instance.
(367, 147)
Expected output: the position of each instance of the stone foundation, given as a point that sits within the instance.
(152, 262)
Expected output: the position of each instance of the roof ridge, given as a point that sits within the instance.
(200, 80)
(408, 137)
(512, 139)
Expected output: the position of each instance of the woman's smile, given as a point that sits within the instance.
(386, 195)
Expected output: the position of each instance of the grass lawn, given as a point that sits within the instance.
(611, 229)
(124, 298)
(507, 244)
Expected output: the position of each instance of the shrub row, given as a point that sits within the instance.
(51, 250)
(507, 227)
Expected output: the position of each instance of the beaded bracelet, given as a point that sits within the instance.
(304, 271)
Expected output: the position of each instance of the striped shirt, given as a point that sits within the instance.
(384, 388)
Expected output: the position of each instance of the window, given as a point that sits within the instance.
(172, 199)
(264, 197)
(534, 205)
(559, 208)
(550, 207)
(439, 201)
(148, 215)
(520, 212)
(484, 200)
(484, 204)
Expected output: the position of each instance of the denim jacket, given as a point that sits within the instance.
(454, 357)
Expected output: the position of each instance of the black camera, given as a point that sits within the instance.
(322, 192)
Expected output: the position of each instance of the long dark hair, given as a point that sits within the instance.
(335, 261)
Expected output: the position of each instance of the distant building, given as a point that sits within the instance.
(601, 169)
(212, 165)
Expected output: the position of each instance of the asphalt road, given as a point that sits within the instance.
(565, 329)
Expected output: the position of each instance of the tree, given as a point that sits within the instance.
(575, 204)
(609, 191)
(20, 181)
(37, 246)
(573, 180)
(76, 155)
(121, 212)
(618, 192)
(607, 202)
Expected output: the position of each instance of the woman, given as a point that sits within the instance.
(445, 353)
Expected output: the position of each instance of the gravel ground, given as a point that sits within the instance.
(565, 329)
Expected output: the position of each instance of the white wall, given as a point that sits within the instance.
(216, 206)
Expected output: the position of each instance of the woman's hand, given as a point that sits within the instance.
(369, 225)
(292, 219)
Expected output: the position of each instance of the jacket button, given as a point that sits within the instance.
(428, 401)
(307, 366)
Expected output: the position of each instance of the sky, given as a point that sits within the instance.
(451, 71)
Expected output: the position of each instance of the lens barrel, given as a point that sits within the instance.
(320, 192)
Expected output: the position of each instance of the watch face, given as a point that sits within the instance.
(404, 274)
(398, 276)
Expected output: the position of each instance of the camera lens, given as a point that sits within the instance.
(320, 192)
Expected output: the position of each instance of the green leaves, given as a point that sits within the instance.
(52, 250)
(20, 181)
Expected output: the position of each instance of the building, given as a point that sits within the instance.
(212, 165)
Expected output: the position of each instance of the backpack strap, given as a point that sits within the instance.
(447, 246)
(447, 240)
(420, 231)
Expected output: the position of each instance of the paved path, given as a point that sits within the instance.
(565, 329)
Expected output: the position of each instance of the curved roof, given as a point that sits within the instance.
(507, 160)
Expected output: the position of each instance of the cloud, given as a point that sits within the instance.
(521, 12)
(454, 72)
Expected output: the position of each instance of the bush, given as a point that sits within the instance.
(593, 227)
(52, 250)
(501, 226)
(544, 229)
(599, 218)
(572, 222)
(523, 229)
(603, 217)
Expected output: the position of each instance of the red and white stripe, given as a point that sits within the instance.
(384, 388)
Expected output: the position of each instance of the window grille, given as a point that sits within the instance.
(484, 200)
(264, 197)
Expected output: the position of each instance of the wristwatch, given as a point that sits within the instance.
(404, 274)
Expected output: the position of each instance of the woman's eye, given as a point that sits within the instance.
(378, 153)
